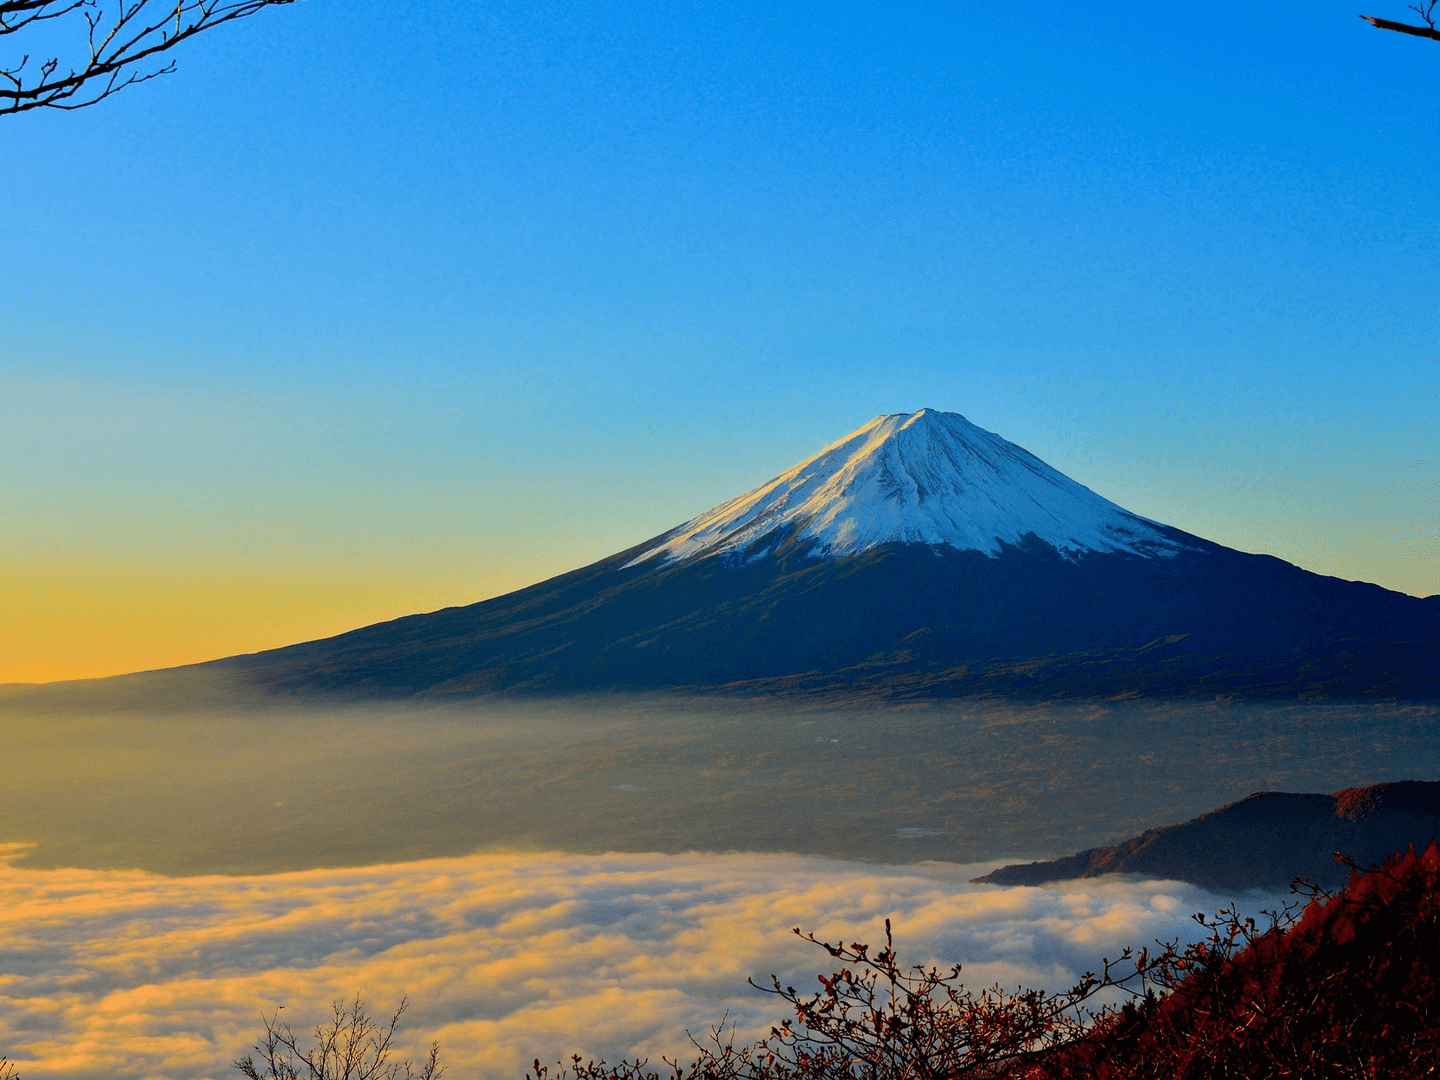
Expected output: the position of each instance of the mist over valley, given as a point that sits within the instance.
(263, 786)
(913, 657)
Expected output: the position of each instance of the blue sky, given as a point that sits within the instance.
(425, 302)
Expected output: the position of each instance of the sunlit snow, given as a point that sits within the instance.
(925, 477)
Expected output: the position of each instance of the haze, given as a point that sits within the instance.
(520, 936)
(211, 786)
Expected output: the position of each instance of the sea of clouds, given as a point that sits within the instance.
(507, 957)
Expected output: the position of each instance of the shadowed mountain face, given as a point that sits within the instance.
(1269, 839)
(919, 556)
(898, 620)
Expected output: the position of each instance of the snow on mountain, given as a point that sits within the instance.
(926, 477)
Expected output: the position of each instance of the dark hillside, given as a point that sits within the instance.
(1352, 990)
(1266, 840)
(898, 620)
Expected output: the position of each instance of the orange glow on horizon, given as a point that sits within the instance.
(68, 622)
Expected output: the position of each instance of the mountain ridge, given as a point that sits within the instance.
(1263, 840)
(760, 595)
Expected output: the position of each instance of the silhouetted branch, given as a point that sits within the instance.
(886, 1020)
(1425, 9)
(1340, 984)
(352, 1046)
(114, 44)
(875, 1019)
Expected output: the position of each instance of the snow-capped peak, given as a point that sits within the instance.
(925, 477)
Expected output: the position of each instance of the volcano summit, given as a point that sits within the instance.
(918, 556)
(916, 478)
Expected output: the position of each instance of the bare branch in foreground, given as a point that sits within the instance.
(113, 44)
(352, 1046)
(1425, 9)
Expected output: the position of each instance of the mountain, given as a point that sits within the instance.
(920, 555)
(927, 477)
(1266, 840)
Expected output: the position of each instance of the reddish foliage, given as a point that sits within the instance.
(1351, 990)
(1348, 988)
(875, 1019)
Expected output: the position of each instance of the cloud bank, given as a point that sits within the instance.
(122, 974)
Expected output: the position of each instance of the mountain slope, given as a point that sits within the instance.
(1265, 840)
(917, 478)
(921, 556)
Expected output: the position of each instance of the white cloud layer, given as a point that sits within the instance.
(122, 974)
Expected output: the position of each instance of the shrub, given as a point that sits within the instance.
(352, 1046)
(1347, 986)
(1352, 989)
(876, 1019)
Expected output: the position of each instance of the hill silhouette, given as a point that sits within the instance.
(1267, 839)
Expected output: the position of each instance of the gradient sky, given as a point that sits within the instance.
(378, 307)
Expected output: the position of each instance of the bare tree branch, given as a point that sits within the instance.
(1425, 9)
(114, 44)
(351, 1046)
